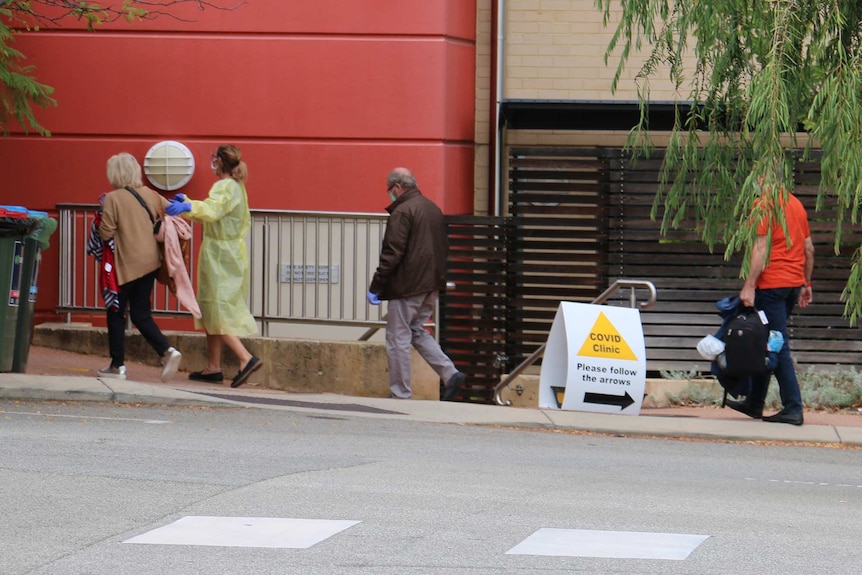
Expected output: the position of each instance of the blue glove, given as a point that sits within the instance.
(775, 341)
(180, 197)
(175, 208)
(373, 299)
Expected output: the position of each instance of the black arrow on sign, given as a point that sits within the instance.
(604, 399)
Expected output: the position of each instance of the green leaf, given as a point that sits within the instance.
(758, 77)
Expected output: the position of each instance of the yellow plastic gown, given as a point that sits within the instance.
(223, 270)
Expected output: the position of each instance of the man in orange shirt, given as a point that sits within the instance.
(775, 286)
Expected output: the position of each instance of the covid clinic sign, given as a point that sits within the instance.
(595, 360)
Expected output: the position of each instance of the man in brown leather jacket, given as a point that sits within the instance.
(411, 272)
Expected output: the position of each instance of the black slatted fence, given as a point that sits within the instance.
(578, 220)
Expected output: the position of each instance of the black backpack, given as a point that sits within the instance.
(745, 340)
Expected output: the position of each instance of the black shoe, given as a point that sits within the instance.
(453, 386)
(253, 365)
(743, 407)
(785, 417)
(216, 377)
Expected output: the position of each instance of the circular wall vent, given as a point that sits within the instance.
(169, 165)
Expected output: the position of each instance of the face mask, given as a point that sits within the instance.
(392, 196)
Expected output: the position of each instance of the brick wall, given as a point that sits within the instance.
(555, 51)
(484, 105)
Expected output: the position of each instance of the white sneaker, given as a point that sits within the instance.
(112, 372)
(170, 363)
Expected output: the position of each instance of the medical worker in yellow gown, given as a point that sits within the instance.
(223, 268)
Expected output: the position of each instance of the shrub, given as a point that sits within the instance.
(834, 389)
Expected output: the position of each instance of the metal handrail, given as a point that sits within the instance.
(619, 284)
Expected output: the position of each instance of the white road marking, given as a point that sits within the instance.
(151, 421)
(266, 532)
(608, 544)
(795, 482)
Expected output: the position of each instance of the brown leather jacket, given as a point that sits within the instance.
(414, 251)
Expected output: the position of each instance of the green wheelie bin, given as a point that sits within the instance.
(15, 224)
(34, 244)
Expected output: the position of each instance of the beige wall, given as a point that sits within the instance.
(484, 105)
(554, 50)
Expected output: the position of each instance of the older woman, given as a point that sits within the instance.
(127, 219)
(223, 268)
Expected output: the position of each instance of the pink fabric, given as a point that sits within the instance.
(174, 229)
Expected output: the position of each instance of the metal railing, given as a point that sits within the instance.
(601, 298)
(306, 268)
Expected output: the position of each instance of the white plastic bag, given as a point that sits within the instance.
(709, 347)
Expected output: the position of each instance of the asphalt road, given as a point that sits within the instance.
(79, 481)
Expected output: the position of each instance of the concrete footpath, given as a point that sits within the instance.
(54, 375)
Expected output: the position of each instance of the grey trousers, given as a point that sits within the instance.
(405, 327)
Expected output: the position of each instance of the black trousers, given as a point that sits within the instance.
(135, 296)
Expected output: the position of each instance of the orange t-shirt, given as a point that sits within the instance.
(785, 266)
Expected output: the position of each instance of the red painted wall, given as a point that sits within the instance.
(323, 97)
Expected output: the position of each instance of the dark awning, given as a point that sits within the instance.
(585, 114)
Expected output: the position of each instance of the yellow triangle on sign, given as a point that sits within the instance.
(605, 341)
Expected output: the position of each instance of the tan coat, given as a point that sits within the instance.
(136, 252)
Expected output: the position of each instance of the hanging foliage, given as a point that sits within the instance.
(19, 90)
(759, 78)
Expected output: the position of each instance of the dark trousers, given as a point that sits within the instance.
(777, 304)
(136, 296)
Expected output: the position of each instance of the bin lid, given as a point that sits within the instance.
(14, 212)
(40, 226)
